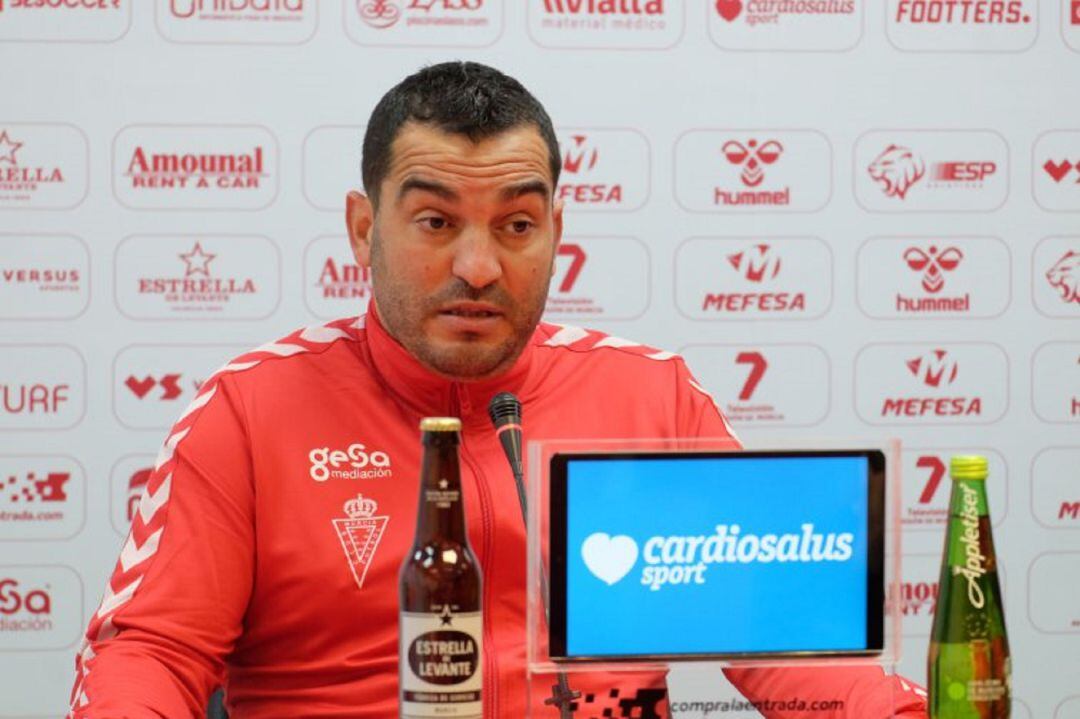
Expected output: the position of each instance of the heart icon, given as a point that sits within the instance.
(1057, 170)
(140, 387)
(729, 9)
(609, 558)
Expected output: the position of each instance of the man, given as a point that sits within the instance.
(242, 566)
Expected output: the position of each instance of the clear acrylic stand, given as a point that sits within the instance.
(858, 687)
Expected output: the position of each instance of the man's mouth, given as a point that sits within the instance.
(471, 310)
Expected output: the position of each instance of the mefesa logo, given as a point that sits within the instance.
(606, 23)
(975, 26)
(782, 278)
(603, 169)
(966, 383)
(678, 560)
(195, 166)
(353, 462)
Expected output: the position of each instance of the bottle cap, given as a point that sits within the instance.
(968, 466)
(440, 424)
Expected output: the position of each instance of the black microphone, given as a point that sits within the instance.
(505, 412)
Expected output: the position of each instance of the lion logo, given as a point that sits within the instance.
(1064, 276)
(897, 169)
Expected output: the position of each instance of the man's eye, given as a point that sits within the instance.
(434, 223)
(520, 227)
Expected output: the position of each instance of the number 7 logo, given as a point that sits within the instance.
(758, 365)
(577, 261)
(937, 471)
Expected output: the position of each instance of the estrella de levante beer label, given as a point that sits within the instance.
(441, 672)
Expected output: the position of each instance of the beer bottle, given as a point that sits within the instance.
(969, 668)
(440, 626)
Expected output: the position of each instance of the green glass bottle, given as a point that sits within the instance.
(969, 669)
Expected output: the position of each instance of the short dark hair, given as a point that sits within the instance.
(461, 98)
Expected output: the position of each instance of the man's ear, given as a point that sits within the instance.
(360, 222)
(557, 224)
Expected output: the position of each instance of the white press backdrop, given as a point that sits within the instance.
(855, 219)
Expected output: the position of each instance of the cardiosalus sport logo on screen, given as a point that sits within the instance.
(680, 560)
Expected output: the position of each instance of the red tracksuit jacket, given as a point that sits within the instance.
(251, 563)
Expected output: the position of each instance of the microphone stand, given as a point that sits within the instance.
(562, 696)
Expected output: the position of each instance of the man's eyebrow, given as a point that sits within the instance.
(422, 185)
(512, 192)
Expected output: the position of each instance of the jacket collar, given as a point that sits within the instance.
(425, 392)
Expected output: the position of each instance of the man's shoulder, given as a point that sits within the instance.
(580, 345)
(295, 352)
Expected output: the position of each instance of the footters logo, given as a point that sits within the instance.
(975, 26)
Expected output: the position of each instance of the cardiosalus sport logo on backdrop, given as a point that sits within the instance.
(786, 25)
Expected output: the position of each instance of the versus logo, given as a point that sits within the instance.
(354, 462)
(678, 560)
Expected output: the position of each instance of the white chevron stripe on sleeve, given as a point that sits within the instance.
(282, 350)
(198, 402)
(322, 333)
(169, 447)
(612, 341)
(150, 503)
(567, 334)
(114, 600)
(662, 355)
(133, 554)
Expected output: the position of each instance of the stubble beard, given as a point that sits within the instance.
(403, 313)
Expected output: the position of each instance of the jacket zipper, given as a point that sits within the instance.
(461, 405)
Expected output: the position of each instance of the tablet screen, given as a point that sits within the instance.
(710, 555)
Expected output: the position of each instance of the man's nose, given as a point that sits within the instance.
(476, 258)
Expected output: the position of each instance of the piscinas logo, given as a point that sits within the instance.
(678, 560)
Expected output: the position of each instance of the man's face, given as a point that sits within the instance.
(462, 246)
